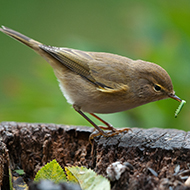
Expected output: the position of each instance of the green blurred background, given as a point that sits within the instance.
(156, 31)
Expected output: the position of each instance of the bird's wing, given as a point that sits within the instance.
(89, 65)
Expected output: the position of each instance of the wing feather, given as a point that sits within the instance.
(96, 70)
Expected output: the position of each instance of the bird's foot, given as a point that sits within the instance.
(113, 131)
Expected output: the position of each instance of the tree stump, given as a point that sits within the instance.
(153, 158)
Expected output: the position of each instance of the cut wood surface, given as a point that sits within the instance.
(153, 158)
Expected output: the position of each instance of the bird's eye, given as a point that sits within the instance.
(157, 88)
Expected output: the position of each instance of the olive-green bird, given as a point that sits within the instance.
(97, 82)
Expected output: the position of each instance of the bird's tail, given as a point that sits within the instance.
(21, 38)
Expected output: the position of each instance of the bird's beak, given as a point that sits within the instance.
(175, 97)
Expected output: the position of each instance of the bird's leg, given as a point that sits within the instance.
(109, 126)
(100, 131)
(99, 128)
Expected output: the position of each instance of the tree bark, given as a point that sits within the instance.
(152, 158)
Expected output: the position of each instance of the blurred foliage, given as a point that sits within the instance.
(156, 31)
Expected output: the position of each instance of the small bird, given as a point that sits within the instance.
(96, 82)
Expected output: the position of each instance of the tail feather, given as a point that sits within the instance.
(20, 37)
